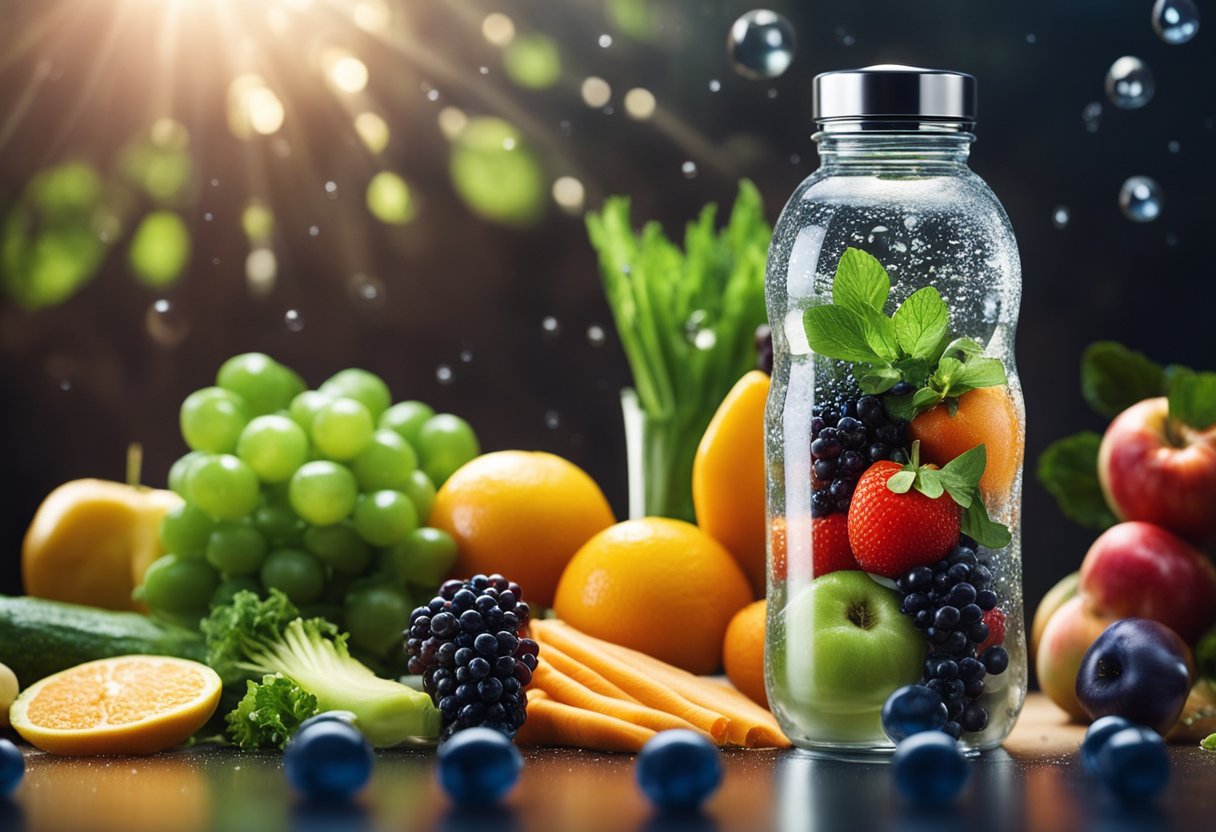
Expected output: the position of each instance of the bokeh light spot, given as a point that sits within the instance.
(388, 198)
(253, 107)
(569, 194)
(451, 121)
(160, 248)
(639, 103)
(498, 29)
(261, 269)
(500, 184)
(532, 61)
(595, 91)
(258, 222)
(373, 16)
(344, 71)
(373, 130)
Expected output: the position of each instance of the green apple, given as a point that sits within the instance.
(846, 647)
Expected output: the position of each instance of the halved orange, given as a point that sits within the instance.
(123, 705)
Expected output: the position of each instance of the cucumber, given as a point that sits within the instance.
(40, 637)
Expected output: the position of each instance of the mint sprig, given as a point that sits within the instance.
(912, 345)
(960, 478)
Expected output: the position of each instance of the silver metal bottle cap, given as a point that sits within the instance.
(890, 92)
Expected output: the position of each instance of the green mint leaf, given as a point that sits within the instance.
(1113, 378)
(1192, 399)
(839, 333)
(961, 475)
(980, 527)
(924, 398)
(965, 347)
(929, 483)
(880, 333)
(921, 322)
(876, 380)
(901, 482)
(949, 372)
(1068, 469)
(861, 282)
(915, 371)
(901, 407)
(982, 372)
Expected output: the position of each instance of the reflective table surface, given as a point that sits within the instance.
(1035, 783)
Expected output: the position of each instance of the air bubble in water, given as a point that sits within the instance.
(553, 419)
(596, 335)
(761, 44)
(689, 169)
(293, 320)
(443, 374)
(1092, 116)
(1141, 199)
(1060, 216)
(166, 326)
(366, 290)
(1129, 83)
(550, 327)
(910, 222)
(1175, 21)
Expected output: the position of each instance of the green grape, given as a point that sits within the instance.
(224, 487)
(296, 574)
(339, 547)
(212, 420)
(303, 408)
(323, 492)
(382, 518)
(295, 384)
(236, 548)
(424, 557)
(179, 473)
(261, 381)
(177, 584)
(230, 586)
(445, 442)
(342, 429)
(386, 462)
(185, 531)
(278, 524)
(421, 492)
(274, 447)
(362, 386)
(406, 419)
(376, 616)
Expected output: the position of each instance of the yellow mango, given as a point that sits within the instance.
(91, 541)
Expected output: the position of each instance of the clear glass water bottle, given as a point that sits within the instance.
(895, 426)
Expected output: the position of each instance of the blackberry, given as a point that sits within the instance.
(474, 664)
(947, 601)
(848, 435)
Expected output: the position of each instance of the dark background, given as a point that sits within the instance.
(83, 379)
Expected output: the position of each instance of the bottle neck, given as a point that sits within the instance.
(911, 151)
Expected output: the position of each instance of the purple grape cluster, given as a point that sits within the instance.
(466, 645)
(848, 435)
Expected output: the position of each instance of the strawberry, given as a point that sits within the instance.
(830, 551)
(995, 619)
(893, 532)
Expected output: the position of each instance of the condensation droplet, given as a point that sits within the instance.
(1175, 21)
(910, 222)
(550, 327)
(166, 326)
(366, 290)
(1060, 216)
(1129, 83)
(689, 169)
(596, 336)
(293, 320)
(761, 44)
(1091, 115)
(443, 374)
(553, 419)
(1141, 199)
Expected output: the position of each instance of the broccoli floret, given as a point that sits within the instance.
(251, 638)
(270, 713)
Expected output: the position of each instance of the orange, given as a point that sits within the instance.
(743, 651)
(660, 586)
(123, 705)
(728, 476)
(521, 514)
(987, 416)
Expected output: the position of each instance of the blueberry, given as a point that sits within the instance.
(954, 709)
(507, 643)
(929, 768)
(450, 588)
(977, 633)
(479, 668)
(328, 760)
(995, 660)
(490, 690)
(826, 449)
(478, 766)
(479, 582)
(952, 728)
(923, 619)
(986, 599)
(12, 768)
(464, 655)
(466, 694)
(678, 769)
(471, 621)
(920, 578)
(956, 642)
(436, 604)
(970, 614)
(877, 451)
(981, 577)
(841, 489)
(914, 603)
(962, 554)
(946, 669)
(328, 716)
(974, 718)
(974, 689)
(902, 388)
(889, 434)
(504, 666)
(444, 624)
(1096, 736)
(1133, 764)
(959, 572)
(946, 618)
(486, 644)
(824, 469)
(910, 710)
(463, 600)
(970, 669)
(962, 594)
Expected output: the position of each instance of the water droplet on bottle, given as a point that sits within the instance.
(366, 291)
(1129, 83)
(596, 335)
(293, 320)
(761, 44)
(910, 222)
(1141, 199)
(550, 327)
(553, 419)
(1092, 116)
(165, 325)
(1176, 21)
(443, 374)
(1060, 216)
(689, 169)
(1174, 146)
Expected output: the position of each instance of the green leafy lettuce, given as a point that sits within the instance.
(270, 713)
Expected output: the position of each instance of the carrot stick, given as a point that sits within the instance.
(749, 724)
(555, 723)
(569, 692)
(580, 673)
(645, 690)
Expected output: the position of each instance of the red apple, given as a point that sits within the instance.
(1052, 601)
(1160, 471)
(1141, 570)
(1069, 632)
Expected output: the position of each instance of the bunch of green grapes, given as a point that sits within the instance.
(322, 494)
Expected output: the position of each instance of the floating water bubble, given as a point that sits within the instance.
(605, 41)
(1032, 39)
(550, 327)
(466, 356)
(313, 231)
(166, 326)
(761, 44)
(689, 169)
(596, 336)
(911, 221)
(553, 419)
(1141, 199)
(65, 385)
(883, 240)
(366, 290)
(1092, 116)
(483, 70)
(331, 188)
(1129, 83)
(715, 85)
(1060, 216)
(443, 374)
(1175, 21)
(843, 36)
(1174, 146)
(293, 320)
